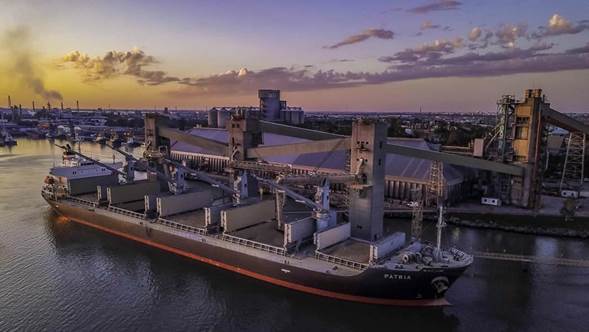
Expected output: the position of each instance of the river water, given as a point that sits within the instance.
(59, 276)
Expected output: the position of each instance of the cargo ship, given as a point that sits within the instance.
(253, 226)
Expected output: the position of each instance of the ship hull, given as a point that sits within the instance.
(373, 285)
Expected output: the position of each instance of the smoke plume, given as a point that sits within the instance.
(17, 44)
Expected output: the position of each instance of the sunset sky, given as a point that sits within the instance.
(442, 55)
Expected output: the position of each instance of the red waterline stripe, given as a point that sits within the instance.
(290, 285)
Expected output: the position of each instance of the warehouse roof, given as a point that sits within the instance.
(396, 165)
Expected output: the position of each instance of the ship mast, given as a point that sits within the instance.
(440, 225)
(436, 195)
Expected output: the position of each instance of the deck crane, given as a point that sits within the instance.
(320, 206)
(130, 162)
(176, 180)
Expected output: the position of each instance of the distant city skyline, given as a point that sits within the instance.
(397, 56)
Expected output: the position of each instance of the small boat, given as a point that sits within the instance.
(6, 139)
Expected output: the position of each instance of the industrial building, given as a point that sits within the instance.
(505, 167)
(271, 108)
(403, 175)
(521, 139)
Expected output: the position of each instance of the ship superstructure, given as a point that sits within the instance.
(255, 223)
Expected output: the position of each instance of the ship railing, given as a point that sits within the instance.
(48, 194)
(126, 212)
(340, 261)
(81, 201)
(181, 227)
(253, 244)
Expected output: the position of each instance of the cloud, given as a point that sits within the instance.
(459, 57)
(428, 25)
(436, 5)
(506, 62)
(17, 44)
(118, 63)
(579, 50)
(475, 34)
(363, 36)
(508, 34)
(436, 49)
(246, 81)
(558, 25)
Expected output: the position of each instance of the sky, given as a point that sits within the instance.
(397, 56)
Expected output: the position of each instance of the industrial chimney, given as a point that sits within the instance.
(9, 102)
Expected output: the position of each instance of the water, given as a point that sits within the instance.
(59, 276)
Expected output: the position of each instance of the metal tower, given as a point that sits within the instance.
(436, 193)
(504, 130)
(500, 146)
(574, 163)
(416, 213)
(435, 188)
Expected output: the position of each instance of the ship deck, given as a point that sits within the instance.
(264, 232)
(201, 186)
(350, 249)
(92, 197)
(192, 218)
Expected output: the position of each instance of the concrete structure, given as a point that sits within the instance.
(367, 160)
(212, 117)
(292, 115)
(244, 133)
(271, 108)
(223, 117)
(270, 104)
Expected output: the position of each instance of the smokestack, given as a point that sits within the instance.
(77, 105)
(33, 105)
(62, 105)
(9, 102)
